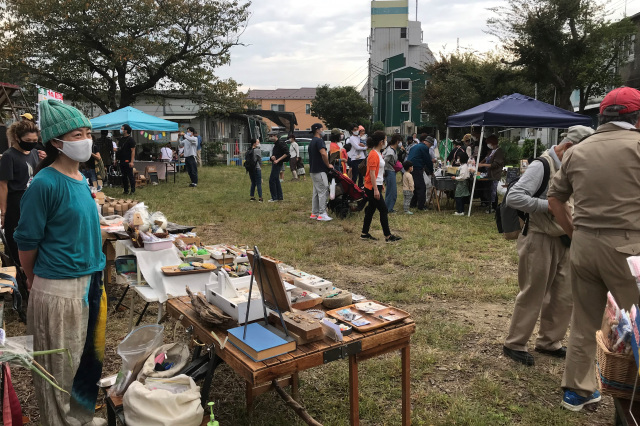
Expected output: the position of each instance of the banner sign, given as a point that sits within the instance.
(44, 94)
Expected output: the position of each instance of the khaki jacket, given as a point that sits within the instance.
(603, 174)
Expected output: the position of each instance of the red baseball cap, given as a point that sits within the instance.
(622, 100)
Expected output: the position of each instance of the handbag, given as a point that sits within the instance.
(362, 167)
(398, 166)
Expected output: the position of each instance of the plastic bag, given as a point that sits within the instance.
(332, 189)
(158, 222)
(177, 355)
(144, 214)
(134, 350)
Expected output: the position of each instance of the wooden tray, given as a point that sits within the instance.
(173, 270)
(375, 321)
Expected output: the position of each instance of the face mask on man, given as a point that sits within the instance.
(355, 133)
(79, 151)
(27, 146)
(399, 144)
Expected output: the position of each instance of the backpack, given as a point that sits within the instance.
(249, 160)
(281, 148)
(511, 222)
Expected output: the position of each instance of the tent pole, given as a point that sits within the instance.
(535, 144)
(473, 188)
(446, 147)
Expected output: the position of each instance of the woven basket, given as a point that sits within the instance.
(616, 372)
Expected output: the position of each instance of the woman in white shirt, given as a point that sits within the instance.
(166, 152)
(294, 153)
(373, 187)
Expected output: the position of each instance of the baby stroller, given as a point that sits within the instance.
(348, 196)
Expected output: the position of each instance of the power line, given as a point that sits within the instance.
(353, 73)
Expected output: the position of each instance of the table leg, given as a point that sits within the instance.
(214, 362)
(131, 301)
(295, 382)
(406, 386)
(248, 390)
(160, 311)
(354, 404)
(111, 415)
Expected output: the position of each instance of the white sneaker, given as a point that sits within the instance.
(458, 214)
(324, 217)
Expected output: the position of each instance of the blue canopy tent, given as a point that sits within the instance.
(135, 118)
(515, 110)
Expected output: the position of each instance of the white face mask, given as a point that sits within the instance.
(355, 133)
(77, 150)
(399, 144)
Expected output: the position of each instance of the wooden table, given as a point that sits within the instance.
(285, 368)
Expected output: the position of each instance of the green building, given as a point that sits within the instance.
(397, 95)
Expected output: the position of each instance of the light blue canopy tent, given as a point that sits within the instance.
(135, 118)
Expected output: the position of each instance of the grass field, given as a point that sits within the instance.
(455, 275)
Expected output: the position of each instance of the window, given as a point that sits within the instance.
(307, 109)
(404, 107)
(403, 33)
(388, 85)
(401, 84)
(277, 107)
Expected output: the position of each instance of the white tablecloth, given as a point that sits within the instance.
(165, 287)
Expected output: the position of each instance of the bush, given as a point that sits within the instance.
(378, 125)
(512, 151)
(213, 153)
(527, 148)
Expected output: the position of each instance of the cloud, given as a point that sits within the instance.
(303, 44)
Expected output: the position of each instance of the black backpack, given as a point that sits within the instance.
(508, 219)
(249, 160)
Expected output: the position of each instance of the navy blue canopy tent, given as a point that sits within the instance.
(515, 110)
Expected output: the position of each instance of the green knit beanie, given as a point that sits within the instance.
(57, 119)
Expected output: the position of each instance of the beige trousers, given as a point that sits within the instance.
(199, 157)
(598, 265)
(57, 317)
(545, 291)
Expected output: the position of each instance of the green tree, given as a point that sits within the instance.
(109, 52)
(461, 81)
(340, 106)
(568, 44)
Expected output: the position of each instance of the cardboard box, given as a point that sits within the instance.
(100, 198)
(191, 240)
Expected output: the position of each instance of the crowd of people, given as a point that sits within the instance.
(582, 226)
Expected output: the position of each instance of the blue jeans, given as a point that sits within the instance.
(391, 194)
(256, 181)
(274, 182)
(91, 175)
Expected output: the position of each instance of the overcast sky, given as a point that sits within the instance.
(291, 44)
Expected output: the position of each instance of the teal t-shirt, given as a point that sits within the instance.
(59, 218)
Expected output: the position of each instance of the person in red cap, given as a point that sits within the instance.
(602, 174)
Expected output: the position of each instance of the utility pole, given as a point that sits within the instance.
(369, 79)
(417, 9)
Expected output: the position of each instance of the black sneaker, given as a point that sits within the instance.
(392, 238)
(252, 199)
(558, 353)
(367, 237)
(125, 193)
(523, 357)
